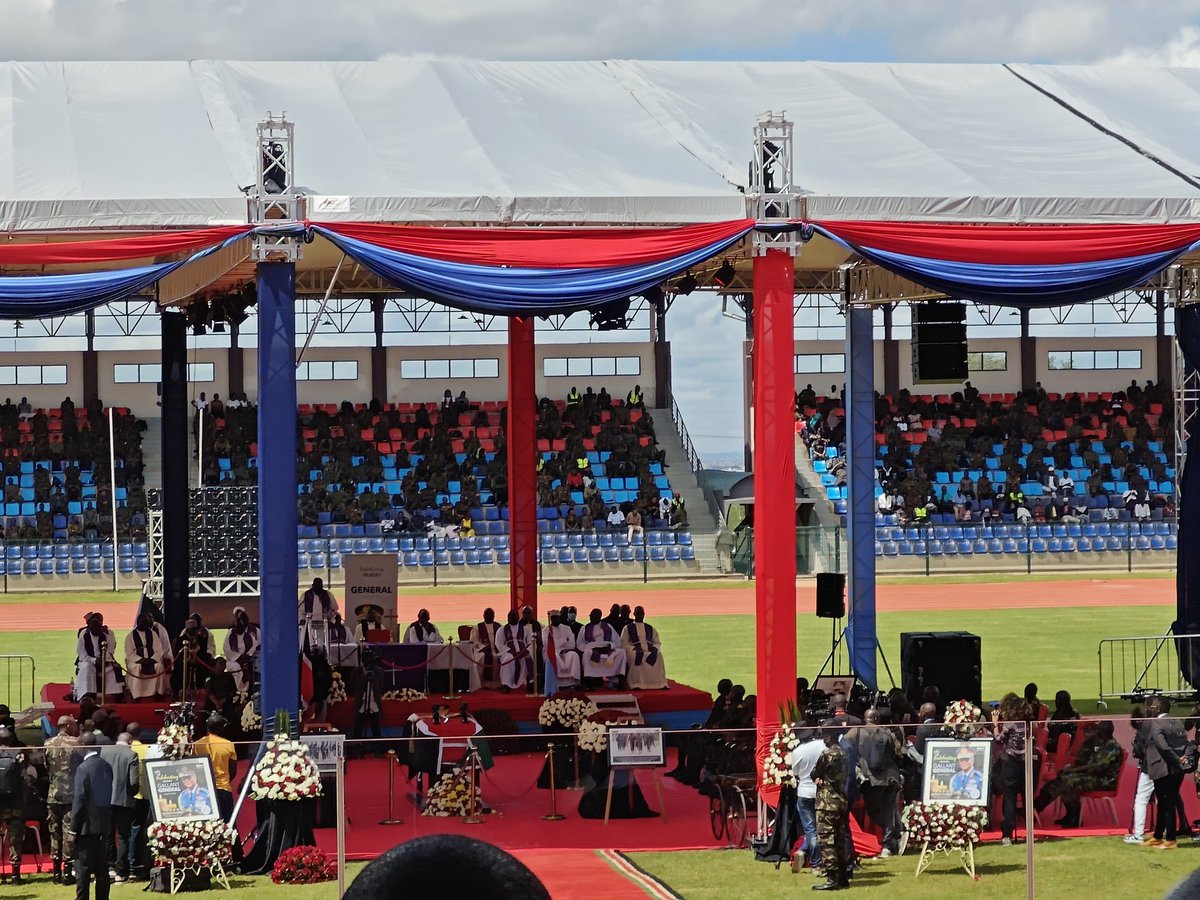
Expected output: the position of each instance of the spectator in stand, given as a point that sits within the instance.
(633, 524)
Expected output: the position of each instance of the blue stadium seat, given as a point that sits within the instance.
(301, 560)
(549, 555)
(688, 553)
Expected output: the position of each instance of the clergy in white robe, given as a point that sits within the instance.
(241, 650)
(515, 643)
(370, 618)
(600, 647)
(562, 658)
(423, 631)
(148, 659)
(95, 649)
(642, 646)
(485, 649)
(317, 603)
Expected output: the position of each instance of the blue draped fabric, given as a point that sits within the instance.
(1020, 285)
(516, 291)
(37, 296)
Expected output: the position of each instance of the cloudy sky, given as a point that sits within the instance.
(707, 382)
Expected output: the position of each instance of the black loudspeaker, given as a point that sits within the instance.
(939, 342)
(831, 595)
(948, 659)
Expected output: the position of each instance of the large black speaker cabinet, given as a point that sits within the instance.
(831, 595)
(939, 342)
(948, 659)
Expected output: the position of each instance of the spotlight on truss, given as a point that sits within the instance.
(613, 316)
(725, 274)
(686, 284)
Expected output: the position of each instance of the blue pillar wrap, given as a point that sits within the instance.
(279, 583)
(860, 450)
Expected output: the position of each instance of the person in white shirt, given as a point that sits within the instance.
(803, 758)
(1141, 509)
(615, 519)
(241, 650)
(664, 509)
(97, 664)
(642, 648)
(423, 631)
(486, 652)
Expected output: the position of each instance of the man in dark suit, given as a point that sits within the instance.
(1166, 744)
(124, 764)
(91, 817)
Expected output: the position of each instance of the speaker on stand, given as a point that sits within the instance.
(831, 602)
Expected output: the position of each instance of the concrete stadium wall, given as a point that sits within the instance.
(45, 395)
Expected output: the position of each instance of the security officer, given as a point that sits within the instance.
(635, 399)
(833, 811)
(60, 763)
(17, 775)
(573, 398)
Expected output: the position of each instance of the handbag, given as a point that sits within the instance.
(1188, 759)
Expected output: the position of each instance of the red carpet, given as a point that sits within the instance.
(588, 874)
(678, 707)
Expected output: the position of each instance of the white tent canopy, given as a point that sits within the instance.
(155, 144)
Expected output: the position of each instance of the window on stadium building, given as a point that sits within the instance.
(487, 367)
(328, 370)
(987, 361)
(151, 373)
(1059, 360)
(813, 363)
(33, 374)
(583, 366)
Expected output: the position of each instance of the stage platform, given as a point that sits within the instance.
(677, 707)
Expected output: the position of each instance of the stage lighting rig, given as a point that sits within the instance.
(274, 162)
(725, 275)
(686, 284)
(612, 316)
(199, 316)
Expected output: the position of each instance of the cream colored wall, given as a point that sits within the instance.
(50, 395)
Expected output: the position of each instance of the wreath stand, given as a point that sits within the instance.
(966, 854)
(179, 874)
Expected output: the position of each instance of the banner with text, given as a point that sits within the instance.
(371, 579)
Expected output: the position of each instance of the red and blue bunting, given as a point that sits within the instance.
(546, 271)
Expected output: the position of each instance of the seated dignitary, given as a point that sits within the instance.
(514, 643)
(195, 654)
(599, 645)
(98, 672)
(641, 643)
(562, 658)
(423, 631)
(241, 650)
(148, 659)
(484, 647)
(370, 619)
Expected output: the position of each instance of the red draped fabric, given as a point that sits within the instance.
(547, 248)
(1015, 244)
(116, 249)
(521, 439)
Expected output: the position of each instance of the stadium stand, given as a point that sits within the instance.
(1035, 472)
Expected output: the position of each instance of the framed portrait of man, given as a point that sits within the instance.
(957, 772)
(637, 746)
(181, 790)
(834, 684)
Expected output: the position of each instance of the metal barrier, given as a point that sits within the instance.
(696, 464)
(1133, 667)
(24, 694)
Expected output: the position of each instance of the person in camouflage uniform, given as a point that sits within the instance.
(12, 804)
(833, 810)
(1096, 768)
(60, 765)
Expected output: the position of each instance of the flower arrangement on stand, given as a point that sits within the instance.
(777, 768)
(251, 720)
(593, 736)
(405, 695)
(303, 865)
(191, 845)
(566, 709)
(962, 720)
(944, 826)
(175, 739)
(450, 795)
(285, 772)
(337, 689)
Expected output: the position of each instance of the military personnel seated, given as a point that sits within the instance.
(1096, 768)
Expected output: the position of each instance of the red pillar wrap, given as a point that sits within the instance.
(521, 439)
(774, 492)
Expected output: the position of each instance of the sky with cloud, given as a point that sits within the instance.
(706, 345)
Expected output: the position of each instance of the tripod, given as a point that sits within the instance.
(837, 640)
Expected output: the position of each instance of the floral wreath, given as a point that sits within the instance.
(251, 720)
(191, 844)
(566, 709)
(944, 826)
(450, 795)
(303, 864)
(962, 720)
(593, 731)
(777, 766)
(337, 689)
(285, 772)
(175, 741)
(405, 695)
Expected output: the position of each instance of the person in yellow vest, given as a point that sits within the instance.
(679, 517)
(573, 397)
(921, 514)
(635, 399)
(139, 860)
(582, 464)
